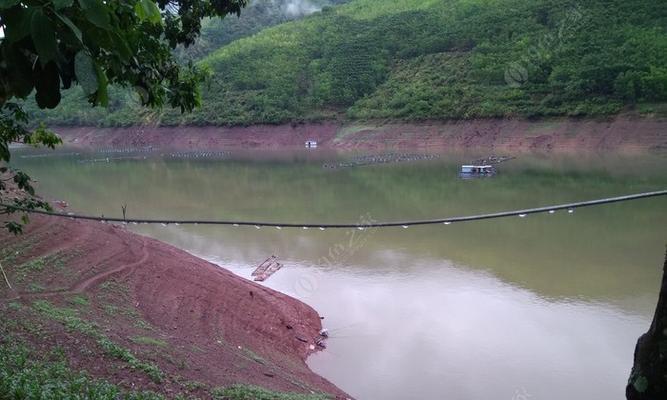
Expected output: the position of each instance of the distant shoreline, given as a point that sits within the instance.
(622, 134)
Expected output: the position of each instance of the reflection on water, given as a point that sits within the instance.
(547, 306)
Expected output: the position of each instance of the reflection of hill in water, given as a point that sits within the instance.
(606, 253)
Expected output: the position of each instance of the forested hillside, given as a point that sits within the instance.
(257, 15)
(427, 59)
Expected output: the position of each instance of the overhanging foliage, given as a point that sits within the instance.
(50, 45)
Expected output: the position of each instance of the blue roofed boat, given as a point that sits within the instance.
(477, 171)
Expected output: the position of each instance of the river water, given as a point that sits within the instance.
(542, 307)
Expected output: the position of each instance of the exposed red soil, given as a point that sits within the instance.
(199, 138)
(219, 329)
(618, 134)
(621, 134)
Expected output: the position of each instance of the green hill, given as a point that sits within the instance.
(428, 59)
(257, 15)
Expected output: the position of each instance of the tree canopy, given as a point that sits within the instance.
(50, 45)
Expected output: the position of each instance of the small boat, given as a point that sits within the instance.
(266, 269)
(311, 144)
(474, 171)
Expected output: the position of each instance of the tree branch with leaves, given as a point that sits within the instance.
(50, 45)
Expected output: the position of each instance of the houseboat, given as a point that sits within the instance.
(472, 171)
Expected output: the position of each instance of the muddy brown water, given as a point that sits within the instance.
(542, 307)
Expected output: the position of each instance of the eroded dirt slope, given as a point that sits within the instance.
(97, 291)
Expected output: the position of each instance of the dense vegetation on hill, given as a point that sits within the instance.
(259, 14)
(427, 59)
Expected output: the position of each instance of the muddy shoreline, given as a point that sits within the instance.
(210, 325)
(622, 134)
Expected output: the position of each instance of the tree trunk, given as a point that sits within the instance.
(648, 379)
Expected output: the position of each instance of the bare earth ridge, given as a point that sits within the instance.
(618, 134)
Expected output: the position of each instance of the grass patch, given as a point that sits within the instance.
(254, 356)
(56, 261)
(653, 109)
(149, 341)
(9, 254)
(47, 375)
(114, 350)
(114, 289)
(141, 324)
(79, 300)
(37, 264)
(113, 310)
(249, 392)
(68, 317)
(35, 287)
(180, 363)
(110, 309)
(22, 376)
(194, 385)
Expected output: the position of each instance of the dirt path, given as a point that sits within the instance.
(86, 284)
(99, 278)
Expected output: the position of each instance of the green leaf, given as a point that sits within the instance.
(95, 12)
(43, 137)
(124, 51)
(60, 4)
(19, 69)
(14, 227)
(641, 384)
(147, 10)
(48, 86)
(44, 37)
(102, 94)
(18, 23)
(76, 31)
(86, 74)
(5, 4)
